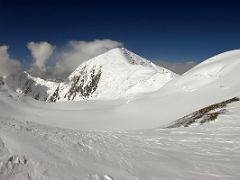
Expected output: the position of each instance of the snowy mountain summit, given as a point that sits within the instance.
(115, 74)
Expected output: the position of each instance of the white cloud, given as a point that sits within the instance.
(80, 51)
(7, 65)
(70, 58)
(40, 52)
(177, 67)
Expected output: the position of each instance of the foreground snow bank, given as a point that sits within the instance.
(210, 151)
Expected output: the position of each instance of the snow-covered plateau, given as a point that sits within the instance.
(120, 117)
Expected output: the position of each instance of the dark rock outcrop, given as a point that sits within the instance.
(204, 115)
(1, 81)
(84, 85)
(55, 96)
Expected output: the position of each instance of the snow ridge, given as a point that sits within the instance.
(114, 74)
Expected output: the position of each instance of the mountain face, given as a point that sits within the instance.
(114, 74)
(24, 84)
(1, 81)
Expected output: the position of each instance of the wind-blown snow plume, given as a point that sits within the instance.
(80, 51)
(40, 52)
(7, 65)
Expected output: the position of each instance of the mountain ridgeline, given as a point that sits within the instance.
(118, 73)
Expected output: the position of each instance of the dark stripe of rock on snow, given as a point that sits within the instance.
(207, 114)
(83, 87)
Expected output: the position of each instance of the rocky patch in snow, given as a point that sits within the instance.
(1, 81)
(204, 115)
(84, 86)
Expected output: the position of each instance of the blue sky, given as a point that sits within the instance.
(172, 31)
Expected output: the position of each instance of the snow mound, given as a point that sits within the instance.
(220, 71)
(115, 74)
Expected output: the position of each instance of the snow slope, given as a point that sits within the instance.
(33, 151)
(212, 81)
(219, 73)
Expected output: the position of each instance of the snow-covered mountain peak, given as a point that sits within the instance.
(122, 55)
(114, 74)
(118, 73)
(115, 57)
(133, 58)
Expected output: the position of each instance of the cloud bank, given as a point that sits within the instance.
(69, 58)
(40, 51)
(7, 65)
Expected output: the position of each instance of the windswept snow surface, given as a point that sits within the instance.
(123, 139)
(210, 151)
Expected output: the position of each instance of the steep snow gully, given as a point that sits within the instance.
(126, 138)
